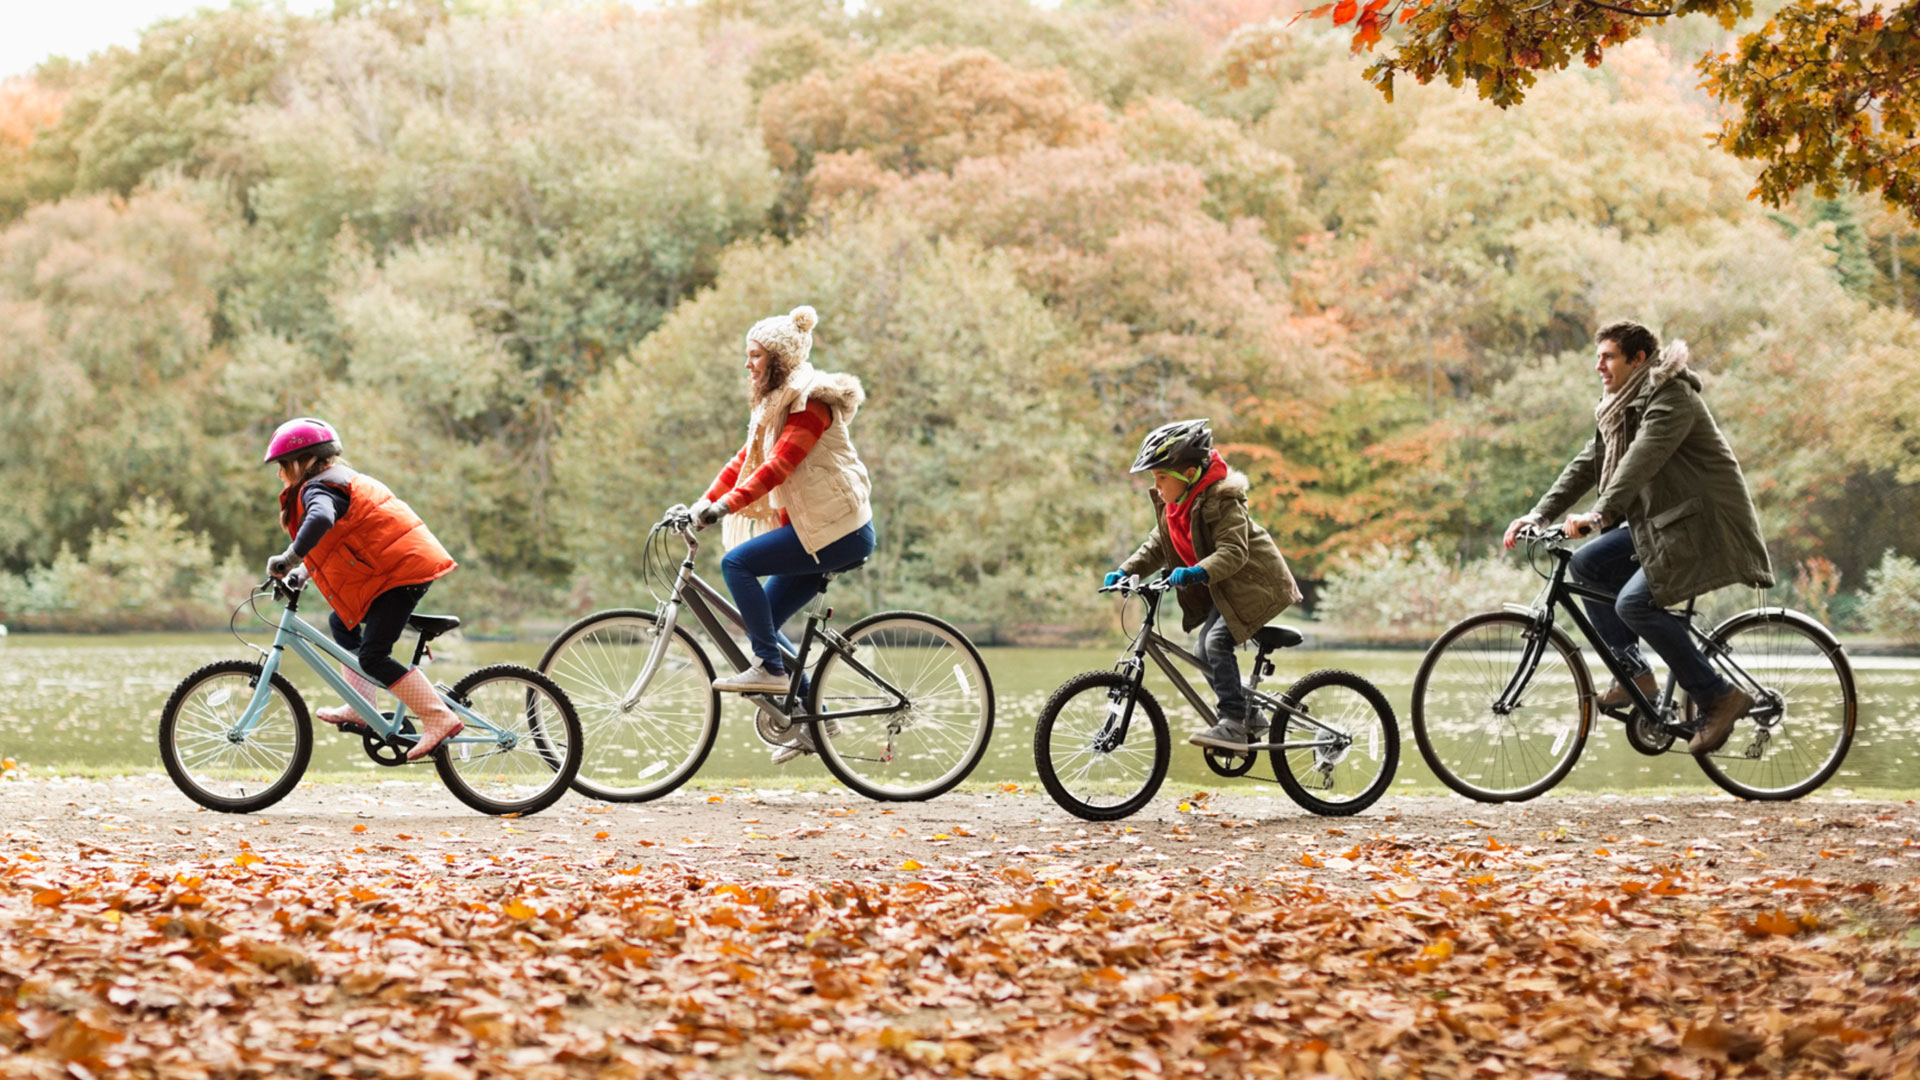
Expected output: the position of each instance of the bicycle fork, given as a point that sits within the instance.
(1516, 687)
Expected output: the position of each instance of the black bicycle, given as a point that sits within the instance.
(1101, 743)
(899, 706)
(1503, 702)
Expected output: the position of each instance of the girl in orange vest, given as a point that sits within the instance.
(372, 558)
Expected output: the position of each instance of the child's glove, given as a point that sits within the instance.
(278, 566)
(1113, 578)
(1187, 575)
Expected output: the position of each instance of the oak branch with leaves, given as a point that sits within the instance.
(1827, 94)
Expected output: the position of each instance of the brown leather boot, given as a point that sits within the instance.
(1616, 695)
(1721, 713)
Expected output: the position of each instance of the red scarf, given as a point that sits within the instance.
(1180, 514)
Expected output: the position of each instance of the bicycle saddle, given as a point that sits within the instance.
(432, 626)
(1277, 637)
(848, 569)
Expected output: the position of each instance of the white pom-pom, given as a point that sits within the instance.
(805, 318)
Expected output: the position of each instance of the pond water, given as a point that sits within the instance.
(68, 702)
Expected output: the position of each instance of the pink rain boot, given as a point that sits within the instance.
(342, 715)
(437, 722)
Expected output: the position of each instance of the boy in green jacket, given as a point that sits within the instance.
(1232, 578)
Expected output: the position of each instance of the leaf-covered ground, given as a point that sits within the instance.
(380, 932)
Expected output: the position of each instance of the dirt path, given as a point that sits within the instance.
(747, 835)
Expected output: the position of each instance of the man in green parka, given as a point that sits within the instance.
(1665, 472)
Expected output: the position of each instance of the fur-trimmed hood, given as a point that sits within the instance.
(1671, 364)
(841, 391)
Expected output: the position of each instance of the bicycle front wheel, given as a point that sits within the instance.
(917, 750)
(1493, 754)
(222, 764)
(527, 753)
(1338, 743)
(639, 749)
(1084, 761)
(1799, 730)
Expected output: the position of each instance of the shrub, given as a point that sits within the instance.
(1416, 592)
(146, 573)
(1891, 601)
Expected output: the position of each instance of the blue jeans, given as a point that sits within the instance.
(1608, 562)
(1223, 668)
(796, 577)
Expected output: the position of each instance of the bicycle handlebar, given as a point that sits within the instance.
(1131, 584)
(1543, 534)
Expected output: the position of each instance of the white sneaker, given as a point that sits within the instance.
(802, 743)
(755, 680)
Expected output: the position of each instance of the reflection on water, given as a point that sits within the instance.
(95, 701)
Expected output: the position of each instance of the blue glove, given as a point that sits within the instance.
(1187, 575)
(1113, 578)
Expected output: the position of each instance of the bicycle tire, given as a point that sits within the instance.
(1425, 717)
(858, 743)
(180, 771)
(585, 679)
(1107, 684)
(1836, 708)
(450, 759)
(1386, 752)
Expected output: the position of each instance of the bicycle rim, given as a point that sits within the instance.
(1479, 752)
(224, 770)
(1789, 757)
(646, 749)
(530, 755)
(1086, 773)
(925, 748)
(1343, 751)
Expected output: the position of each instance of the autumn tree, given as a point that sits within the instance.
(1821, 89)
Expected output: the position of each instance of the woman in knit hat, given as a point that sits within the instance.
(794, 497)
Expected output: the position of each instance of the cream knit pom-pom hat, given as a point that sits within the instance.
(789, 336)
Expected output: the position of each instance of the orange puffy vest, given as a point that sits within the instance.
(381, 544)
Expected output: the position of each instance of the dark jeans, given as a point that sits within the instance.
(372, 641)
(796, 577)
(1608, 562)
(1223, 668)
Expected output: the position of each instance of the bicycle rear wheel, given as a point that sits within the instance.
(1081, 760)
(1805, 718)
(638, 750)
(532, 754)
(220, 767)
(1487, 755)
(918, 751)
(1345, 747)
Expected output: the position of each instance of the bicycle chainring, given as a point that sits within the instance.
(773, 730)
(1647, 737)
(391, 751)
(1229, 763)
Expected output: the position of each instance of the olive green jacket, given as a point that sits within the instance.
(1679, 488)
(1247, 577)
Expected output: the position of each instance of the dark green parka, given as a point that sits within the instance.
(1247, 577)
(1679, 488)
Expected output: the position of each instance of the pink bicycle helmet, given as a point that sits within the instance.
(301, 433)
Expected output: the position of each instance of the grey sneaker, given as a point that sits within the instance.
(755, 680)
(802, 743)
(1231, 733)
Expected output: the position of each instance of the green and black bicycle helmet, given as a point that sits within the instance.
(1180, 445)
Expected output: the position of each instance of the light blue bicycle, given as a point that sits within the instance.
(236, 736)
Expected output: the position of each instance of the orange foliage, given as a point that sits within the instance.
(926, 109)
(25, 108)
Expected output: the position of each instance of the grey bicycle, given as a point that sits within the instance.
(899, 706)
(1101, 744)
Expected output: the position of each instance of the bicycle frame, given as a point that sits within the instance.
(714, 612)
(1561, 593)
(294, 633)
(1150, 643)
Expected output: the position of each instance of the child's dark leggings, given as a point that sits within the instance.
(373, 639)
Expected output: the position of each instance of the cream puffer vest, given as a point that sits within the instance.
(826, 495)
